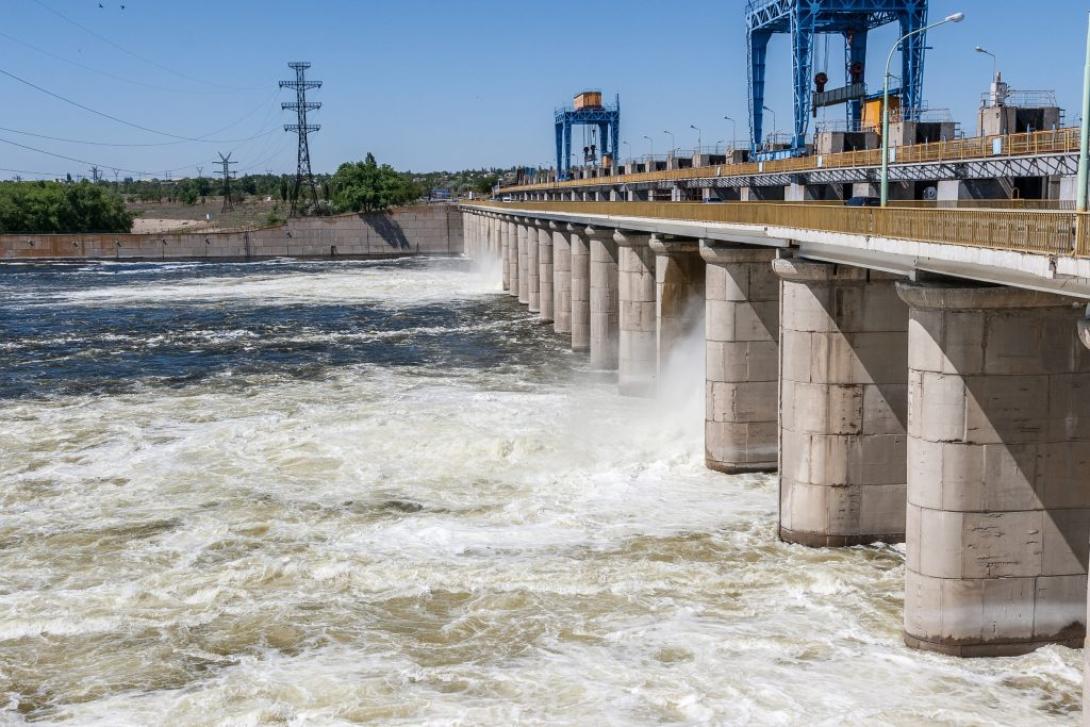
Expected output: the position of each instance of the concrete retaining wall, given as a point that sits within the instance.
(424, 230)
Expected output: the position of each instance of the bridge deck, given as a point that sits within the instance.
(1038, 250)
(1051, 232)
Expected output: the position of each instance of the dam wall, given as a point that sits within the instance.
(950, 414)
(418, 230)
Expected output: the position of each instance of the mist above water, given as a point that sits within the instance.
(342, 493)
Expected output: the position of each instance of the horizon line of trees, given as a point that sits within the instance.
(102, 206)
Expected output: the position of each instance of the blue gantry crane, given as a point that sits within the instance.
(587, 110)
(852, 19)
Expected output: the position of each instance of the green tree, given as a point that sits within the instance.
(189, 194)
(369, 187)
(484, 185)
(53, 207)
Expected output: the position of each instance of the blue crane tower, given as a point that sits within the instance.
(852, 19)
(587, 110)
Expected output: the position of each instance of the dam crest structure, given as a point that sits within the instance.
(903, 391)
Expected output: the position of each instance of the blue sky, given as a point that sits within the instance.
(442, 85)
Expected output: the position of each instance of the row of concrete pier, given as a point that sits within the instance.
(949, 415)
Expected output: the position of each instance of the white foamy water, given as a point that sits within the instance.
(437, 544)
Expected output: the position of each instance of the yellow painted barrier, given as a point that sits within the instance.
(1037, 231)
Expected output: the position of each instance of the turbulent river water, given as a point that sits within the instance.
(379, 492)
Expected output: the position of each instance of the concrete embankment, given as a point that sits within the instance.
(423, 230)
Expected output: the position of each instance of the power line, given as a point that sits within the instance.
(84, 161)
(126, 51)
(263, 160)
(269, 144)
(108, 74)
(118, 119)
(29, 171)
(258, 135)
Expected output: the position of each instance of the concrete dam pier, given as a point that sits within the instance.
(898, 404)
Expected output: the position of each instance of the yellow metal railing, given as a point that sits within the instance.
(1057, 141)
(1037, 231)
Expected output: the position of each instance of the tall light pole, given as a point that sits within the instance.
(651, 156)
(955, 18)
(1081, 201)
(995, 61)
(717, 144)
(629, 148)
(699, 137)
(775, 130)
(733, 133)
(673, 144)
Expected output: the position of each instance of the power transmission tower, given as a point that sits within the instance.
(225, 162)
(95, 175)
(302, 128)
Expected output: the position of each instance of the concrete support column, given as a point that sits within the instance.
(524, 261)
(604, 299)
(637, 338)
(580, 289)
(561, 278)
(500, 231)
(511, 232)
(843, 401)
(533, 269)
(468, 219)
(679, 285)
(999, 470)
(741, 333)
(545, 271)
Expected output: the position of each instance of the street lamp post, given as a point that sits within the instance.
(673, 144)
(733, 133)
(955, 18)
(717, 145)
(1083, 192)
(775, 130)
(995, 61)
(699, 137)
(651, 156)
(629, 148)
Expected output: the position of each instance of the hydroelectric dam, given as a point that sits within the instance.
(916, 376)
(781, 430)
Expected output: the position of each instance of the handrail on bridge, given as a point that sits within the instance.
(1056, 141)
(1049, 232)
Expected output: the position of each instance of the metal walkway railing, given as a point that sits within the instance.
(1036, 231)
(1057, 141)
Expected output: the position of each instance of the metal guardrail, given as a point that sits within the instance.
(1057, 141)
(1034, 231)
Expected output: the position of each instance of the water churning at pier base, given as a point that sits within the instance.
(382, 492)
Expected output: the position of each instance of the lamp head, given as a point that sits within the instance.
(955, 18)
